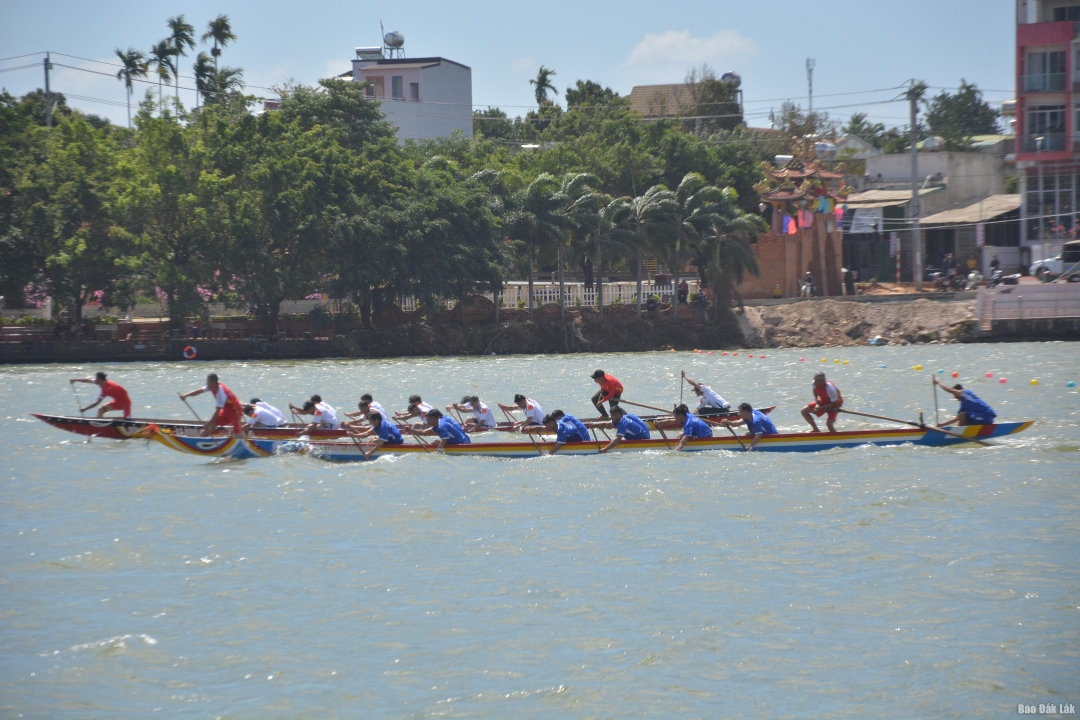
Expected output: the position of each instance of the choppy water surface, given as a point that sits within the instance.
(874, 582)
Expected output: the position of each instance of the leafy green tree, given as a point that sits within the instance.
(66, 215)
(22, 145)
(579, 206)
(134, 65)
(589, 92)
(715, 103)
(494, 123)
(220, 31)
(205, 76)
(177, 208)
(698, 211)
(542, 84)
(859, 126)
(957, 117)
(724, 251)
(534, 219)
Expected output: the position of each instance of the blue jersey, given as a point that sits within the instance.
(450, 431)
(389, 433)
(761, 424)
(973, 406)
(696, 428)
(631, 427)
(566, 431)
(578, 425)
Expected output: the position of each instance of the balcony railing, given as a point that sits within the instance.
(1046, 82)
(1050, 142)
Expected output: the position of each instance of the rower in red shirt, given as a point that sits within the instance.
(610, 391)
(828, 400)
(227, 409)
(118, 397)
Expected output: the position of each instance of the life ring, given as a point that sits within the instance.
(190, 352)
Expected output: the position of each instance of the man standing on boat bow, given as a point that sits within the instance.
(118, 397)
(227, 409)
(610, 392)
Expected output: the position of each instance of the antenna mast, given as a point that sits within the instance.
(810, 63)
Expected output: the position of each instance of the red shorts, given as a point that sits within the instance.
(113, 406)
(833, 414)
(229, 416)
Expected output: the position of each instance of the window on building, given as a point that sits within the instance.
(396, 88)
(1069, 12)
(414, 91)
(376, 86)
(1045, 119)
(1045, 71)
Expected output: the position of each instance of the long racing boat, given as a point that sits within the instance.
(114, 428)
(240, 448)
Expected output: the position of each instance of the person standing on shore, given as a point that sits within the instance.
(118, 397)
(610, 392)
(709, 403)
(973, 410)
(227, 409)
(827, 400)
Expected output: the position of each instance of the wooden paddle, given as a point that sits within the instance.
(918, 425)
(81, 413)
(736, 436)
(191, 409)
(661, 431)
(650, 407)
(933, 384)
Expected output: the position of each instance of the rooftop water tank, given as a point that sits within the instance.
(394, 39)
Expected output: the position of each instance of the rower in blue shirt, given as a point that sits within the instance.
(385, 434)
(693, 426)
(973, 411)
(757, 422)
(566, 429)
(628, 426)
(447, 428)
(581, 427)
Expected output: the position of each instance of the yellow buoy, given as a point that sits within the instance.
(916, 367)
(1035, 381)
(824, 360)
(845, 362)
(836, 361)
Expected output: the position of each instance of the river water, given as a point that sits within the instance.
(871, 582)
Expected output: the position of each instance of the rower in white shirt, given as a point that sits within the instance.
(267, 407)
(262, 415)
(324, 416)
(417, 408)
(483, 418)
(709, 402)
(534, 414)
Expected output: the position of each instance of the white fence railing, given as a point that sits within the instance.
(514, 294)
(1027, 302)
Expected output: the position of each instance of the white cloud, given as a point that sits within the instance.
(334, 68)
(523, 64)
(684, 50)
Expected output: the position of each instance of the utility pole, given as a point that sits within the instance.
(914, 94)
(810, 63)
(48, 93)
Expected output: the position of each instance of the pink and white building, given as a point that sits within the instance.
(426, 98)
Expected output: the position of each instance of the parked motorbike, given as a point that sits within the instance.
(973, 279)
(999, 278)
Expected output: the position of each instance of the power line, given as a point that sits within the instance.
(21, 67)
(16, 57)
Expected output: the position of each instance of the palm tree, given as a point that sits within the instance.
(224, 82)
(221, 33)
(182, 39)
(204, 77)
(579, 205)
(161, 57)
(534, 218)
(134, 65)
(732, 257)
(698, 211)
(542, 81)
(649, 218)
(604, 232)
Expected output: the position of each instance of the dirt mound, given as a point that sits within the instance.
(833, 322)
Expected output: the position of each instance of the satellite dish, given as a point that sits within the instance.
(394, 39)
(731, 78)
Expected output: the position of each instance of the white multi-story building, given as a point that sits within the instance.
(425, 98)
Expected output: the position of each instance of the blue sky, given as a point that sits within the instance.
(858, 46)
